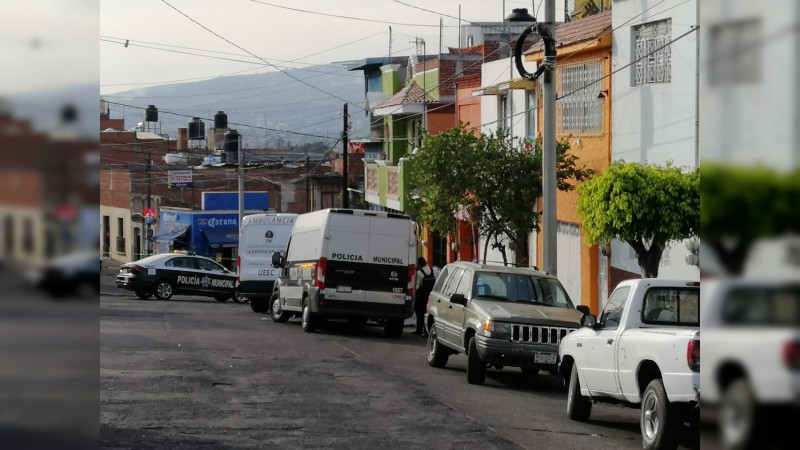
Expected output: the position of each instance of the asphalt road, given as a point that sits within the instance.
(195, 373)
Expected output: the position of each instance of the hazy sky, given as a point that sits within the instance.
(165, 45)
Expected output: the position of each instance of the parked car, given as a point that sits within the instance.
(644, 352)
(167, 274)
(347, 263)
(498, 316)
(751, 358)
(74, 274)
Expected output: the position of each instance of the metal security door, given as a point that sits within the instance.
(569, 259)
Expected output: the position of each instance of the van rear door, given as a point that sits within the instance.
(391, 246)
(348, 243)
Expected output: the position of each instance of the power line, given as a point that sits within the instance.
(344, 17)
(252, 54)
(224, 58)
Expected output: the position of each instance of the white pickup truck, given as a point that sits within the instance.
(643, 352)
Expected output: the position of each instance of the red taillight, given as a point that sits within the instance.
(791, 355)
(412, 274)
(322, 267)
(135, 268)
(238, 266)
(693, 355)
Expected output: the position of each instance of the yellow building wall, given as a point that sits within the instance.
(594, 152)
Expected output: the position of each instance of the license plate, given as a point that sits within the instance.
(544, 358)
(345, 289)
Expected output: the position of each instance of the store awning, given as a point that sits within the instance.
(222, 237)
(171, 232)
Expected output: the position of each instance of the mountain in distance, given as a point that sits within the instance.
(257, 105)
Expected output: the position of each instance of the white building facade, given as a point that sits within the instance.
(655, 103)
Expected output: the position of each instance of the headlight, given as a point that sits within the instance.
(496, 329)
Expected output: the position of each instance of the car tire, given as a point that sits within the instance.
(579, 408)
(394, 328)
(239, 298)
(738, 416)
(309, 318)
(258, 304)
(276, 311)
(476, 368)
(659, 419)
(437, 353)
(143, 295)
(221, 298)
(164, 290)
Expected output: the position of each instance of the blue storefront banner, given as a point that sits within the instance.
(200, 232)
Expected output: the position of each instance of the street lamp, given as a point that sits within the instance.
(549, 159)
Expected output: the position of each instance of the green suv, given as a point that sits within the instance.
(499, 317)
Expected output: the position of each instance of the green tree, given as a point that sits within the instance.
(494, 177)
(739, 205)
(646, 206)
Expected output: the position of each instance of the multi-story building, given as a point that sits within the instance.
(655, 105)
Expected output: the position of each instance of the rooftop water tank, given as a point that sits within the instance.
(197, 129)
(151, 114)
(220, 120)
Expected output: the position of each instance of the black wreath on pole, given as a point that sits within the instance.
(549, 53)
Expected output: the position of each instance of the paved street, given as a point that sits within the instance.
(193, 372)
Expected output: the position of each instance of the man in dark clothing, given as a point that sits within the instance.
(425, 279)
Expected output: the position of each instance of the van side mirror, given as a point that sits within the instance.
(583, 308)
(589, 320)
(277, 259)
(458, 299)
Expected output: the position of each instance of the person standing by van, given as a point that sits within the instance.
(425, 279)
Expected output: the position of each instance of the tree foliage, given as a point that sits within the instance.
(495, 178)
(646, 206)
(739, 205)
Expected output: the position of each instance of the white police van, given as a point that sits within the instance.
(260, 235)
(347, 263)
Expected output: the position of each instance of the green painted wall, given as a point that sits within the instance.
(390, 83)
(431, 78)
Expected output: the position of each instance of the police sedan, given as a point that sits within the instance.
(167, 274)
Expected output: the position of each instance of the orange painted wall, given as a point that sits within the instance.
(593, 151)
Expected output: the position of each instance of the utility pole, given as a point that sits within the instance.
(308, 186)
(549, 157)
(345, 184)
(241, 180)
(149, 232)
(547, 32)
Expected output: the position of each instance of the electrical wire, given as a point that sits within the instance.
(254, 55)
(344, 17)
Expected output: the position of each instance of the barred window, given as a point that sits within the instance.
(581, 110)
(736, 51)
(652, 66)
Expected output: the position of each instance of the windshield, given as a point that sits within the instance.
(520, 288)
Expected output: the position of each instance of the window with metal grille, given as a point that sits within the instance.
(653, 63)
(581, 108)
(737, 52)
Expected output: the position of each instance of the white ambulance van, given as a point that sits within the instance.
(346, 263)
(261, 235)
